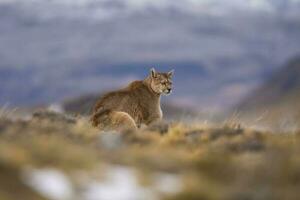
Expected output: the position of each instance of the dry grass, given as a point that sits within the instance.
(215, 162)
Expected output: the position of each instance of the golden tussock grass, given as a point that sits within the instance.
(226, 161)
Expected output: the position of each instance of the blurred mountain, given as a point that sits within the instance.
(277, 100)
(102, 9)
(53, 50)
(82, 105)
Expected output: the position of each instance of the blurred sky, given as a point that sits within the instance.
(51, 50)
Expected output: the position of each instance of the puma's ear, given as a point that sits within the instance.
(153, 73)
(171, 73)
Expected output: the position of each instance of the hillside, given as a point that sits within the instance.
(277, 100)
(54, 156)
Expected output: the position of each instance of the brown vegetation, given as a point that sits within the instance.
(224, 161)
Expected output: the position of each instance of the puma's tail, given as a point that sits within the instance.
(122, 121)
(116, 120)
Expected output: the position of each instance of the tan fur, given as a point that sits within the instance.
(137, 104)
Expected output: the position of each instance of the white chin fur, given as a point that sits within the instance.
(167, 92)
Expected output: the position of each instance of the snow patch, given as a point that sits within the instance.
(119, 182)
(51, 183)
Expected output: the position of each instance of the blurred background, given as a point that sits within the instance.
(237, 83)
(226, 54)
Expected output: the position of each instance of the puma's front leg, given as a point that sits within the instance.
(158, 125)
(153, 120)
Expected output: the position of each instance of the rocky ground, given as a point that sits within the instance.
(60, 157)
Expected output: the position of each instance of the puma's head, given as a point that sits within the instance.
(161, 83)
